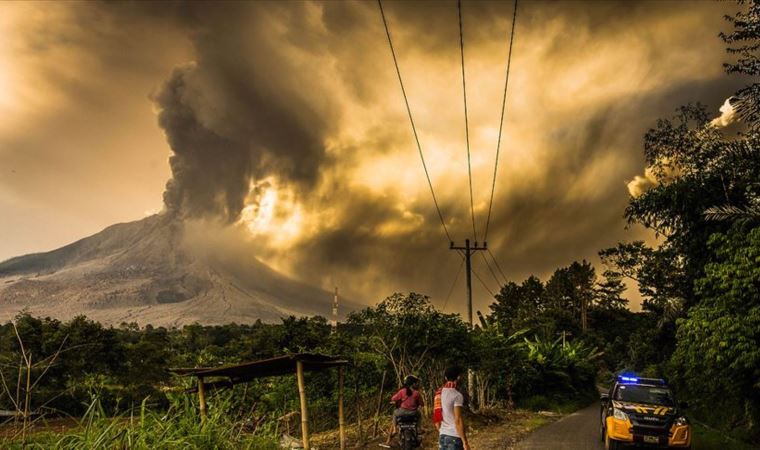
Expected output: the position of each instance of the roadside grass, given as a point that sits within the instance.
(177, 428)
(560, 406)
(710, 439)
(536, 421)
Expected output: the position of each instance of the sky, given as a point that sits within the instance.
(281, 126)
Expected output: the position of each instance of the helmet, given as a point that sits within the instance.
(410, 380)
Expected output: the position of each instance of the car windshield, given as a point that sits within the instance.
(651, 395)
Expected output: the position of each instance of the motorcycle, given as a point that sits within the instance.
(408, 432)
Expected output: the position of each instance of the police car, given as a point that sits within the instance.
(643, 412)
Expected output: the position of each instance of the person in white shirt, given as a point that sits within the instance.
(452, 434)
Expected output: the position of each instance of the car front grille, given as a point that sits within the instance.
(651, 425)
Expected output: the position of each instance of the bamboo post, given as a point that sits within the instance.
(202, 398)
(28, 395)
(341, 419)
(357, 402)
(379, 403)
(18, 389)
(304, 407)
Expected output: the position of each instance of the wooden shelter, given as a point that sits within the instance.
(228, 376)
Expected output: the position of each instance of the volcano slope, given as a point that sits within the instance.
(144, 272)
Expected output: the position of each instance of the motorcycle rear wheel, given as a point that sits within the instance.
(408, 440)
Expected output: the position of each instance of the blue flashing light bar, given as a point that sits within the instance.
(633, 379)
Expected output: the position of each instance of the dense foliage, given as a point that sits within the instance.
(719, 341)
(81, 362)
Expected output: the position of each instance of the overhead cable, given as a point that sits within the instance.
(466, 121)
(498, 267)
(451, 289)
(501, 121)
(411, 120)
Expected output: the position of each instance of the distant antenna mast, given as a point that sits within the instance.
(334, 321)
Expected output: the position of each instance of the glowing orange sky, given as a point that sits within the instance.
(80, 147)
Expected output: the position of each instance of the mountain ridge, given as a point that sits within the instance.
(144, 272)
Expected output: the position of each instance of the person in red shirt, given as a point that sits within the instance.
(408, 401)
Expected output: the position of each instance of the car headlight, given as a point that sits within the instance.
(619, 414)
(681, 421)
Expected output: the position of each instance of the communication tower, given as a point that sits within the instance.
(334, 321)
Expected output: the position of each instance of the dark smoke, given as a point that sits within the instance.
(240, 113)
(254, 105)
(210, 172)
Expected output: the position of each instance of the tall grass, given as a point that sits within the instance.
(142, 428)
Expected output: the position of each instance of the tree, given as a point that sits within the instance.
(412, 335)
(518, 305)
(659, 273)
(706, 177)
(743, 41)
(718, 352)
(145, 364)
(571, 289)
(609, 292)
(699, 167)
(559, 368)
(498, 361)
(302, 334)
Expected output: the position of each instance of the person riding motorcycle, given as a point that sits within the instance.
(408, 401)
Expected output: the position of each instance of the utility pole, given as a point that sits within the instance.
(468, 251)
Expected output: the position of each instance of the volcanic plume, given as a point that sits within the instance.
(285, 120)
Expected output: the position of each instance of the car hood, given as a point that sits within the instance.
(643, 409)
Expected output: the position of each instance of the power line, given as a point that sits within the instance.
(456, 278)
(498, 266)
(411, 120)
(472, 270)
(501, 122)
(493, 274)
(461, 253)
(466, 121)
(483, 283)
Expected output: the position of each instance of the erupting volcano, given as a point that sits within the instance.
(148, 272)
